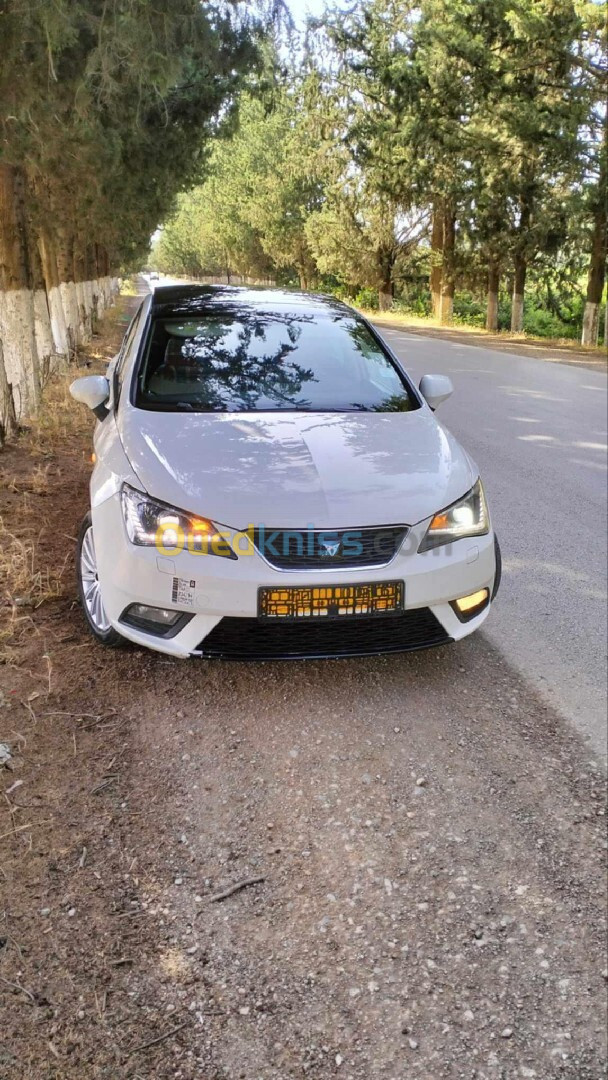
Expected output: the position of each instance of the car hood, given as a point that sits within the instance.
(292, 470)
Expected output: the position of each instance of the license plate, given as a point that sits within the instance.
(331, 601)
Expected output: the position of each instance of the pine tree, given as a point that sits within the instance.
(108, 110)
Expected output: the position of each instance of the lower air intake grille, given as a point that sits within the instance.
(248, 639)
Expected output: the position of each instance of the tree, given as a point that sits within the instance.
(107, 111)
(461, 136)
(369, 222)
(596, 207)
(590, 60)
(282, 187)
(249, 216)
(363, 241)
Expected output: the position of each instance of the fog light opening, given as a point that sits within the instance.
(467, 607)
(163, 622)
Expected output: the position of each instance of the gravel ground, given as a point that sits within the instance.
(428, 839)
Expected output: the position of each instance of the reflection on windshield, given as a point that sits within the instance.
(252, 361)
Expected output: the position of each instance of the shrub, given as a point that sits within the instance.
(468, 310)
(418, 304)
(367, 299)
(542, 323)
(341, 292)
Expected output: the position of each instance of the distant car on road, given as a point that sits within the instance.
(269, 483)
(154, 275)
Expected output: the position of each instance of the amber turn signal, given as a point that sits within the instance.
(467, 604)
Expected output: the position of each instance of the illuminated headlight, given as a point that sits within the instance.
(467, 517)
(153, 524)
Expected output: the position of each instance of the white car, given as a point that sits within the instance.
(269, 483)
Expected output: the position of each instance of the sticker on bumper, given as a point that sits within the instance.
(182, 591)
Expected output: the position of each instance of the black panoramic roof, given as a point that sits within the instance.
(204, 299)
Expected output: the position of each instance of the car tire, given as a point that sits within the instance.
(89, 593)
(498, 574)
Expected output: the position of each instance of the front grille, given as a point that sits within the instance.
(250, 639)
(329, 549)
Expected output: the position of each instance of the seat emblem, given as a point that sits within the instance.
(330, 548)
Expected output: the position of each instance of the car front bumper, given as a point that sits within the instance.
(211, 589)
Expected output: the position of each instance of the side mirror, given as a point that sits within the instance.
(436, 389)
(94, 391)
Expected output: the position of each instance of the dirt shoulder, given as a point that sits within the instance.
(430, 838)
(552, 352)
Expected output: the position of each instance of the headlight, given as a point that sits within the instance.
(467, 517)
(153, 524)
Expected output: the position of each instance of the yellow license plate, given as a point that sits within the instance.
(331, 601)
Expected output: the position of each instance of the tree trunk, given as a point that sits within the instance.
(17, 318)
(51, 330)
(67, 287)
(519, 286)
(493, 286)
(8, 420)
(103, 277)
(91, 259)
(446, 306)
(47, 358)
(597, 264)
(99, 304)
(436, 257)
(48, 259)
(89, 283)
(80, 279)
(520, 262)
(385, 294)
(45, 346)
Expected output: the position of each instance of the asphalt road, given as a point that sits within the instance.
(537, 430)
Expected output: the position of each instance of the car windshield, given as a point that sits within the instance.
(255, 361)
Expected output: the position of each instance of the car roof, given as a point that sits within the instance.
(204, 299)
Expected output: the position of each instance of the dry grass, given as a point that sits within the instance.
(426, 322)
(39, 480)
(128, 287)
(22, 580)
(60, 418)
(25, 584)
(38, 473)
(422, 321)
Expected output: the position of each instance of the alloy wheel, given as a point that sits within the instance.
(90, 584)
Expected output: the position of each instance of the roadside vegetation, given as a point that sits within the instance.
(106, 113)
(440, 159)
(43, 473)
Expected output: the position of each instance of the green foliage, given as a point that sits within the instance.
(110, 108)
(469, 309)
(539, 322)
(249, 216)
(489, 111)
(367, 299)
